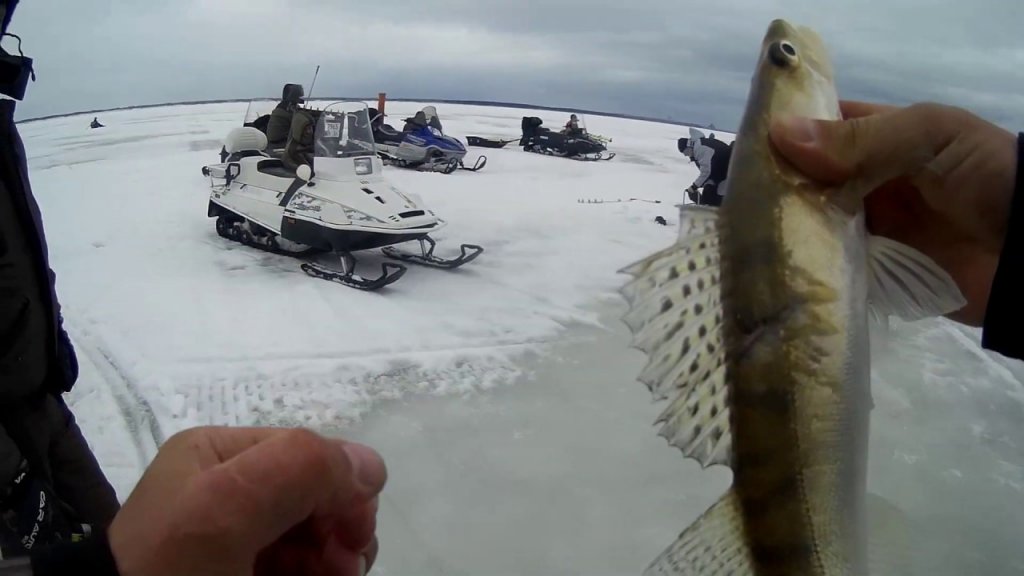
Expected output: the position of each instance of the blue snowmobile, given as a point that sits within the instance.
(421, 145)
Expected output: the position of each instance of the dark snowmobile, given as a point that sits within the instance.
(577, 144)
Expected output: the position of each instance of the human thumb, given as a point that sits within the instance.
(271, 481)
(872, 149)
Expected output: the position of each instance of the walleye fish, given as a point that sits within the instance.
(755, 324)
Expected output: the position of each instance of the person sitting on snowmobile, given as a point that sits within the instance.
(299, 149)
(572, 127)
(712, 157)
(281, 118)
(95, 123)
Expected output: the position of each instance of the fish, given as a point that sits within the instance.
(755, 323)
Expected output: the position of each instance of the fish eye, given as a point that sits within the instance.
(783, 53)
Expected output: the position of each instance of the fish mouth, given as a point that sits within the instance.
(779, 29)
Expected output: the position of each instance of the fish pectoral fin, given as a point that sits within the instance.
(905, 283)
(713, 544)
(890, 538)
(675, 316)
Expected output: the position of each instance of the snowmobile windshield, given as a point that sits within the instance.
(258, 108)
(343, 131)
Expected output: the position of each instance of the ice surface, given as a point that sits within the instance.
(502, 394)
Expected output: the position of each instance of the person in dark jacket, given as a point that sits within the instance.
(712, 157)
(51, 486)
(572, 127)
(280, 123)
(95, 123)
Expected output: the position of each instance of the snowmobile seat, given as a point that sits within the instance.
(275, 167)
(387, 134)
(236, 156)
(243, 139)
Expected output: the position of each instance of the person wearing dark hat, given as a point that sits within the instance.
(712, 157)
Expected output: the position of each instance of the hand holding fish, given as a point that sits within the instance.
(942, 180)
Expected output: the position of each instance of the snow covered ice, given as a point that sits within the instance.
(502, 394)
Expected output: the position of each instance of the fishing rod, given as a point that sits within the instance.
(600, 201)
(309, 96)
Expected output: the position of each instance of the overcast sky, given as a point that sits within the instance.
(686, 60)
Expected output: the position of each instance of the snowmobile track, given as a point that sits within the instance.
(137, 412)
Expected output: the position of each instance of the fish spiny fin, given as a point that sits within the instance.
(697, 422)
(714, 544)
(905, 283)
(675, 317)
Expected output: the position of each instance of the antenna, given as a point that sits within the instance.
(309, 96)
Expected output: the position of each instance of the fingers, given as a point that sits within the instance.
(873, 148)
(370, 554)
(274, 480)
(857, 109)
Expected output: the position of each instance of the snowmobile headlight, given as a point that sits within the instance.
(357, 216)
(364, 166)
(302, 202)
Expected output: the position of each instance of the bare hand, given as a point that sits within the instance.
(234, 501)
(942, 181)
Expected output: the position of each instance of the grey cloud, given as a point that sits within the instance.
(653, 57)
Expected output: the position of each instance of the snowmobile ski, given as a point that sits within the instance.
(596, 157)
(481, 161)
(390, 273)
(427, 258)
(250, 234)
(440, 165)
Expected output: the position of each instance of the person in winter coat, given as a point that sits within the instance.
(299, 147)
(95, 123)
(292, 95)
(712, 157)
(51, 486)
(572, 127)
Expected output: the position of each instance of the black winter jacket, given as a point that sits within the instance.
(23, 300)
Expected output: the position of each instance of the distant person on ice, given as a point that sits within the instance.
(95, 123)
(712, 157)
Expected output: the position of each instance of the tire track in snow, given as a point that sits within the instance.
(378, 353)
(137, 413)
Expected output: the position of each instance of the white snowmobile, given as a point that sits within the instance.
(336, 201)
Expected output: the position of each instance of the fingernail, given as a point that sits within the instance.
(368, 466)
(798, 129)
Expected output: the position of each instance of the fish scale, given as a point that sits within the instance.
(755, 324)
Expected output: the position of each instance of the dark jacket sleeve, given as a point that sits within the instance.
(91, 556)
(1001, 331)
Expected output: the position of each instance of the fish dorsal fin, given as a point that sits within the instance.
(675, 316)
(905, 283)
(714, 544)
